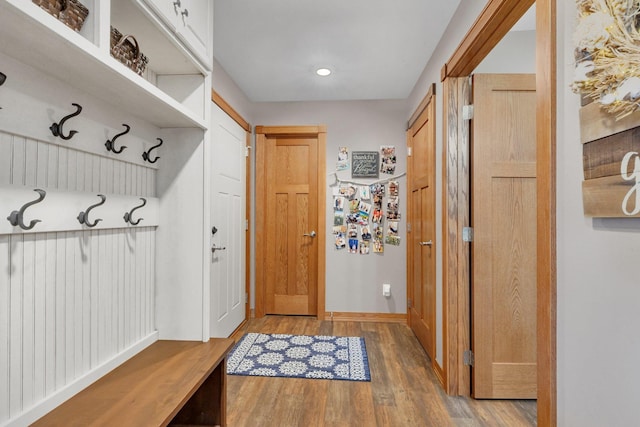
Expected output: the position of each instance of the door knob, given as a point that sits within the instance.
(428, 243)
(312, 234)
(214, 248)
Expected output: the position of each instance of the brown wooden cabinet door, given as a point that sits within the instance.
(503, 184)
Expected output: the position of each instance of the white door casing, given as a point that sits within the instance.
(228, 202)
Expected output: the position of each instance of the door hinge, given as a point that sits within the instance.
(408, 227)
(467, 234)
(468, 358)
(409, 303)
(246, 297)
(409, 151)
(246, 150)
(246, 224)
(467, 112)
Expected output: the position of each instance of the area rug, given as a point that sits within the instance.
(300, 356)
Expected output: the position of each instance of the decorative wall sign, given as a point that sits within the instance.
(364, 164)
(611, 186)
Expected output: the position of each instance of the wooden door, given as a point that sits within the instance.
(503, 186)
(421, 253)
(289, 213)
(228, 216)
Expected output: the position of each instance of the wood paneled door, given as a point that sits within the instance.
(290, 208)
(503, 214)
(421, 251)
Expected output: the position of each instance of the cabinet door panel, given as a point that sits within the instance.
(195, 27)
(167, 10)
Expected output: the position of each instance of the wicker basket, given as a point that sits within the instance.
(71, 12)
(126, 50)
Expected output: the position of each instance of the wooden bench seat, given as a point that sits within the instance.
(169, 383)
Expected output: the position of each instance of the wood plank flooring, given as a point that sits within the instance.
(403, 390)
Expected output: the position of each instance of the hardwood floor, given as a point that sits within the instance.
(403, 390)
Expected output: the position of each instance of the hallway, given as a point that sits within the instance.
(403, 392)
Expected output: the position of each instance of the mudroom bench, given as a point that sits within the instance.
(176, 383)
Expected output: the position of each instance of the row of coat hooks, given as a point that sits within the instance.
(57, 129)
(16, 218)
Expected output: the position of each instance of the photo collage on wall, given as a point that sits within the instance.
(366, 216)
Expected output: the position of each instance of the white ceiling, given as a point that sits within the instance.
(377, 49)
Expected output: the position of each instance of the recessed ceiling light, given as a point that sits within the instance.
(323, 72)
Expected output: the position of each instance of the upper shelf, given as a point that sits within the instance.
(33, 37)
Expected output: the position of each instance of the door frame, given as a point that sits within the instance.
(231, 112)
(492, 24)
(262, 132)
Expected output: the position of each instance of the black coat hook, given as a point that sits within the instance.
(146, 154)
(17, 217)
(56, 128)
(83, 217)
(129, 215)
(111, 143)
(3, 77)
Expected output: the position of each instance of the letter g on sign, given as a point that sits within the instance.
(633, 176)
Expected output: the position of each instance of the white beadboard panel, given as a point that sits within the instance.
(34, 163)
(70, 302)
(15, 278)
(5, 328)
(59, 210)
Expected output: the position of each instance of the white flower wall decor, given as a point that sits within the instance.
(608, 54)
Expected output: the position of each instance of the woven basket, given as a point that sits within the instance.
(71, 12)
(126, 50)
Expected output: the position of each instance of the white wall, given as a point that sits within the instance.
(354, 282)
(227, 88)
(598, 281)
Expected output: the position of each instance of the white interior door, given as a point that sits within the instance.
(228, 221)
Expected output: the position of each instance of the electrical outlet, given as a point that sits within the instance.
(386, 289)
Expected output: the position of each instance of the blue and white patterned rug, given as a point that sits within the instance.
(300, 356)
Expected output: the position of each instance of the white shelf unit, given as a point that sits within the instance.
(34, 37)
(53, 67)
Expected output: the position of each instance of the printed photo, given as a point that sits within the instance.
(378, 247)
(394, 188)
(352, 231)
(377, 216)
(364, 248)
(365, 234)
(338, 218)
(354, 206)
(338, 203)
(343, 159)
(353, 246)
(388, 161)
(392, 228)
(377, 189)
(377, 231)
(337, 229)
(364, 207)
(341, 242)
(392, 240)
(393, 208)
(364, 192)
